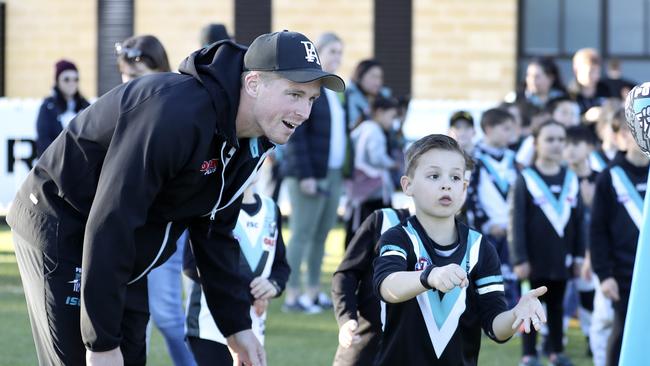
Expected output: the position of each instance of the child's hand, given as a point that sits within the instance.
(260, 306)
(262, 289)
(348, 335)
(445, 278)
(609, 286)
(522, 270)
(529, 310)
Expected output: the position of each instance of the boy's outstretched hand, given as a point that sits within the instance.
(530, 311)
(447, 277)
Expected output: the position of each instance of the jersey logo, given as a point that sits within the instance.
(310, 50)
(209, 166)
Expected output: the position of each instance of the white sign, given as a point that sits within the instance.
(18, 149)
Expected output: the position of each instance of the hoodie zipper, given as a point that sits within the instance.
(213, 213)
(241, 189)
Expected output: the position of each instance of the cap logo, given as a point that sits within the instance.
(310, 50)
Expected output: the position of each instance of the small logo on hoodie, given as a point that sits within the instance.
(209, 166)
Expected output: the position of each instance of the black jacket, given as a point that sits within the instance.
(352, 291)
(614, 235)
(307, 152)
(147, 160)
(48, 124)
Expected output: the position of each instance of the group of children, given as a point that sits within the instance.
(563, 220)
(417, 288)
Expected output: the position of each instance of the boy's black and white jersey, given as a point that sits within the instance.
(437, 328)
(263, 255)
(616, 218)
(546, 230)
(493, 175)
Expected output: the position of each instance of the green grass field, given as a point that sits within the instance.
(291, 339)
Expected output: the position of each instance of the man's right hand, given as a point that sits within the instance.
(107, 358)
(309, 186)
(609, 286)
(348, 335)
(246, 349)
(447, 277)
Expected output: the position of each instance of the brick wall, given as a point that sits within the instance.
(178, 23)
(41, 32)
(350, 20)
(464, 49)
(461, 49)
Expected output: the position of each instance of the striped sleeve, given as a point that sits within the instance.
(390, 249)
(489, 284)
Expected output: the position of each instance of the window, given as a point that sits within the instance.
(617, 28)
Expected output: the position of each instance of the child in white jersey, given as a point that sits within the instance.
(262, 263)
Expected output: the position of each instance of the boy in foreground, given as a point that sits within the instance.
(440, 281)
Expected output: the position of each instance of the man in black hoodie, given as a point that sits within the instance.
(152, 157)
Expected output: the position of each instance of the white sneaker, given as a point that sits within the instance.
(324, 301)
(309, 306)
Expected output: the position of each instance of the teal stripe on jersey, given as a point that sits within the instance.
(488, 280)
(386, 248)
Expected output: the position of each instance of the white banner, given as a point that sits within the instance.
(18, 150)
(18, 134)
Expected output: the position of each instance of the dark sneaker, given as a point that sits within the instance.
(529, 361)
(559, 359)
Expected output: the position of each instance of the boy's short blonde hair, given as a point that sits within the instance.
(588, 56)
(431, 142)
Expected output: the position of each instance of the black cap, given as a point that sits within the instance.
(461, 116)
(291, 55)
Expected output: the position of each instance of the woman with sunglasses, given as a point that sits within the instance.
(138, 56)
(61, 106)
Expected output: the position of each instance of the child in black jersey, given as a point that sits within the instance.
(356, 307)
(546, 233)
(617, 215)
(579, 297)
(440, 281)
